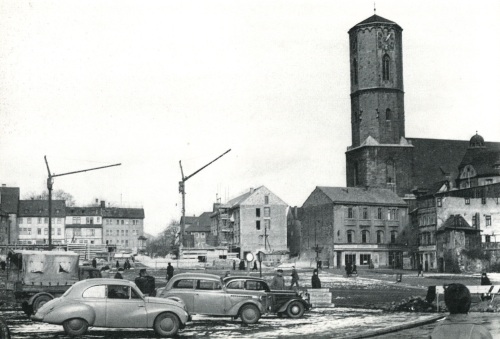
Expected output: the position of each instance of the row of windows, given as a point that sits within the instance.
(267, 224)
(29, 230)
(40, 220)
(88, 220)
(365, 237)
(121, 221)
(123, 233)
(378, 213)
(439, 201)
(388, 115)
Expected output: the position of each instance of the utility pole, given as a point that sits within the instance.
(50, 182)
(182, 190)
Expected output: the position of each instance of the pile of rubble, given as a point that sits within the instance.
(412, 304)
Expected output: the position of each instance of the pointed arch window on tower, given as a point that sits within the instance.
(388, 114)
(390, 173)
(356, 174)
(355, 71)
(386, 60)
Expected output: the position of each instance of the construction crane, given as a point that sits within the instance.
(182, 190)
(50, 182)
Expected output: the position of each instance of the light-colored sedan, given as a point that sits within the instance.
(206, 294)
(112, 303)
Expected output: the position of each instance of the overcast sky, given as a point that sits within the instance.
(146, 84)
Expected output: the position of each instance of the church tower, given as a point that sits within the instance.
(379, 156)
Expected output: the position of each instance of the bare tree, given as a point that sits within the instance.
(56, 195)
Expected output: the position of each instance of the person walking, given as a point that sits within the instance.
(315, 282)
(94, 263)
(170, 272)
(254, 266)
(458, 324)
(420, 270)
(118, 275)
(278, 282)
(295, 278)
(127, 264)
(117, 264)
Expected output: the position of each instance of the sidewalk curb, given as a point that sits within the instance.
(394, 328)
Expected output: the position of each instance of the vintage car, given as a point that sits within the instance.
(205, 294)
(281, 302)
(112, 303)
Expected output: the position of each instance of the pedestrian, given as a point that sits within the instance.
(227, 274)
(278, 282)
(3, 264)
(315, 282)
(170, 272)
(254, 266)
(234, 265)
(295, 277)
(354, 269)
(420, 270)
(127, 264)
(242, 265)
(458, 324)
(485, 280)
(117, 264)
(94, 263)
(118, 275)
(348, 269)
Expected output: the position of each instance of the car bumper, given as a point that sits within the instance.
(36, 318)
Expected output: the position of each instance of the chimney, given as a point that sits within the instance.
(4, 185)
(251, 190)
(103, 204)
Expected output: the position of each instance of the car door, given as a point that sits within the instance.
(125, 307)
(95, 297)
(184, 289)
(209, 297)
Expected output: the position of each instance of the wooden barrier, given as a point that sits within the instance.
(320, 296)
(476, 289)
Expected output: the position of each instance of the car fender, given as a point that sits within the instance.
(236, 308)
(69, 311)
(285, 305)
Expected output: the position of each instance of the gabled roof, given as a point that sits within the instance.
(239, 199)
(483, 159)
(40, 208)
(202, 223)
(189, 220)
(9, 200)
(456, 222)
(126, 213)
(83, 211)
(356, 195)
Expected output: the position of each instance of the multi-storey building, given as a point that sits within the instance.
(9, 201)
(221, 226)
(258, 219)
(83, 225)
(197, 233)
(123, 227)
(479, 206)
(354, 225)
(33, 222)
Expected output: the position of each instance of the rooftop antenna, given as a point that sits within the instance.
(374, 8)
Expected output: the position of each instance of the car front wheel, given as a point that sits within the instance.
(40, 301)
(75, 326)
(249, 314)
(166, 324)
(295, 309)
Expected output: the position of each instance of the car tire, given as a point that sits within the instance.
(75, 326)
(166, 324)
(40, 301)
(295, 309)
(249, 314)
(280, 315)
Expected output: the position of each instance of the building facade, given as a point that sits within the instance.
(33, 222)
(83, 225)
(123, 227)
(354, 225)
(9, 201)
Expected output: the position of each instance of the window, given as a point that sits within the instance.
(123, 233)
(390, 172)
(257, 224)
(257, 212)
(39, 221)
(58, 231)
(380, 237)
(76, 220)
(439, 202)
(355, 71)
(364, 236)
(350, 235)
(267, 224)
(266, 199)
(95, 292)
(267, 212)
(350, 258)
(235, 285)
(58, 220)
(386, 67)
(487, 238)
(488, 220)
(255, 285)
(117, 222)
(90, 220)
(388, 114)
(467, 201)
(28, 220)
(394, 235)
(364, 259)
(118, 292)
(483, 200)
(45, 231)
(46, 220)
(379, 213)
(39, 231)
(208, 285)
(117, 233)
(98, 220)
(123, 222)
(365, 213)
(350, 213)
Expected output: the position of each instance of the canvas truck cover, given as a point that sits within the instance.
(49, 268)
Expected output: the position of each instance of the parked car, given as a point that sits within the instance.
(112, 303)
(206, 294)
(281, 302)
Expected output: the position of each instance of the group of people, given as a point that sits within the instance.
(350, 269)
(278, 282)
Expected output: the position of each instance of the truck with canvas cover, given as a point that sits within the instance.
(36, 277)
